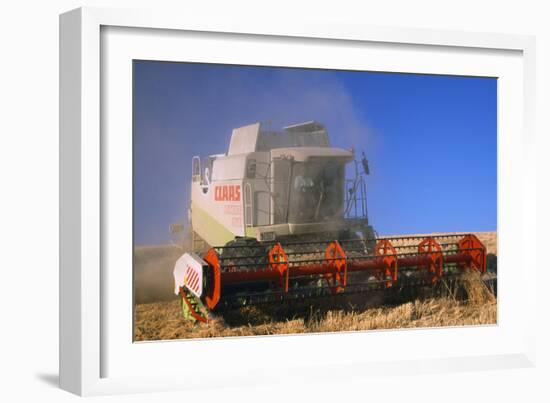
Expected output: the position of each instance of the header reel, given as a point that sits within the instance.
(238, 275)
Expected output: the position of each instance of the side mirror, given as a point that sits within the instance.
(365, 164)
(196, 170)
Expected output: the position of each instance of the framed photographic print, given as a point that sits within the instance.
(259, 193)
(275, 235)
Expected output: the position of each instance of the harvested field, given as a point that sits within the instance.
(163, 320)
(157, 314)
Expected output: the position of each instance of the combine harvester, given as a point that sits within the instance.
(276, 219)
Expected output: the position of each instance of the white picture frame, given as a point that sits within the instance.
(87, 308)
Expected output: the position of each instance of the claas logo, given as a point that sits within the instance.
(227, 193)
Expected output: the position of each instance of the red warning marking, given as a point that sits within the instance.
(193, 279)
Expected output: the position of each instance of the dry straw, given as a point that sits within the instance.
(162, 320)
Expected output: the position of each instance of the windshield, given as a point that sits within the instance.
(316, 191)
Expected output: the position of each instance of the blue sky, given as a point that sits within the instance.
(431, 140)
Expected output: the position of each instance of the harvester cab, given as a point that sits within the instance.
(276, 186)
(276, 218)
